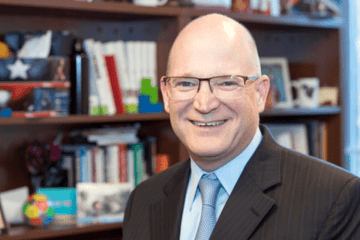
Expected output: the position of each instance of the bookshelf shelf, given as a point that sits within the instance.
(124, 10)
(301, 112)
(144, 117)
(84, 119)
(58, 231)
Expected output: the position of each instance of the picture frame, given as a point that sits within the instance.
(4, 225)
(101, 202)
(277, 69)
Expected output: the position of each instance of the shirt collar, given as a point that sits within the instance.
(228, 174)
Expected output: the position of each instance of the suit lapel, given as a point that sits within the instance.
(247, 205)
(166, 214)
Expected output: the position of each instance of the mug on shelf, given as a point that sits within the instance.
(150, 3)
(306, 92)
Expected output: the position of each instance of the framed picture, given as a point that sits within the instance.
(277, 69)
(4, 226)
(101, 202)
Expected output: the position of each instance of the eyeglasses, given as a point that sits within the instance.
(224, 87)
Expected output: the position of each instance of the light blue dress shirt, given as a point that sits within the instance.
(228, 175)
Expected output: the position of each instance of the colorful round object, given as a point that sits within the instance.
(37, 212)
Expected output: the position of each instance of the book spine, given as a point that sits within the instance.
(83, 164)
(103, 82)
(138, 162)
(93, 164)
(130, 166)
(122, 162)
(121, 61)
(99, 163)
(324, 141)
(112, 164)
(114, 80)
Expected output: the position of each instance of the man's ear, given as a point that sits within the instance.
(262, 88)
(165, 95)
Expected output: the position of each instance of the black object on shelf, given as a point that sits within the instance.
(79, 95)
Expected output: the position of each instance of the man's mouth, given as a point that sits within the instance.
(208, 124)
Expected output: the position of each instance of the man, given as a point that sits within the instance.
(238, 183)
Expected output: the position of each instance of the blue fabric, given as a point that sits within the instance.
(228, 175)
(209, 187)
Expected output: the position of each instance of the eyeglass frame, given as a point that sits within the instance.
(251, 78)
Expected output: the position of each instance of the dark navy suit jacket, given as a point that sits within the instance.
(280, 195)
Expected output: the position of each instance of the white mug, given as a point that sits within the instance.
(307, 91)
(150, 3)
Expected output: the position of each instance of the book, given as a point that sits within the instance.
(133, 98)
(63, 201)
(115, 86)
(103, 82)
(99, 164)
(95, 99)
(29, 97)
(314, 138)
(130, 166)
(152, 60)
(107, 136)
(112, 164)
(324, 141)
(122, 153)
(101, 202)
(139, 169)
(122, 66)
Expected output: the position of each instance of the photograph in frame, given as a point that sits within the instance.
(277, 69)
(101, 202)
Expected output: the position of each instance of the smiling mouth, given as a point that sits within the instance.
(209, 124)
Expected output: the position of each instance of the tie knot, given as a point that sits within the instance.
(209, 187)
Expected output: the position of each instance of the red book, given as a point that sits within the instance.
(115, 86)
(122, 162)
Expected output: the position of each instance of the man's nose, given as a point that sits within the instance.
(205, 100)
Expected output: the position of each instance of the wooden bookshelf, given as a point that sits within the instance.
(94, 231)
(312, 47)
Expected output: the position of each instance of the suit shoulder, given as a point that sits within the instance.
(313, 167)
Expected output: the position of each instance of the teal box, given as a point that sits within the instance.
(62, 200)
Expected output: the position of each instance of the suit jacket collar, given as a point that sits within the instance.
(246, 207)
(248, 204)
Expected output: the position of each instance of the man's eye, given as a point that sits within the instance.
(229, 83)
(184, 83)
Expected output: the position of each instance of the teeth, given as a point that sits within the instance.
(209, 124)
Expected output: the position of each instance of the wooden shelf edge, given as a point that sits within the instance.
(52, 231)
(84, 119)
(168, 11)
(301, 112)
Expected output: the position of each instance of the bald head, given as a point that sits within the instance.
(218, 39)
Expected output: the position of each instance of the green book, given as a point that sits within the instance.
(137, 149)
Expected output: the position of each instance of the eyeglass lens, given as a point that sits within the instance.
(229, 87)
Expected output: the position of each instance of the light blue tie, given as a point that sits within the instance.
(209, 187)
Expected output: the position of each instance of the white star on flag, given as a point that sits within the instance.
(18, 69)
